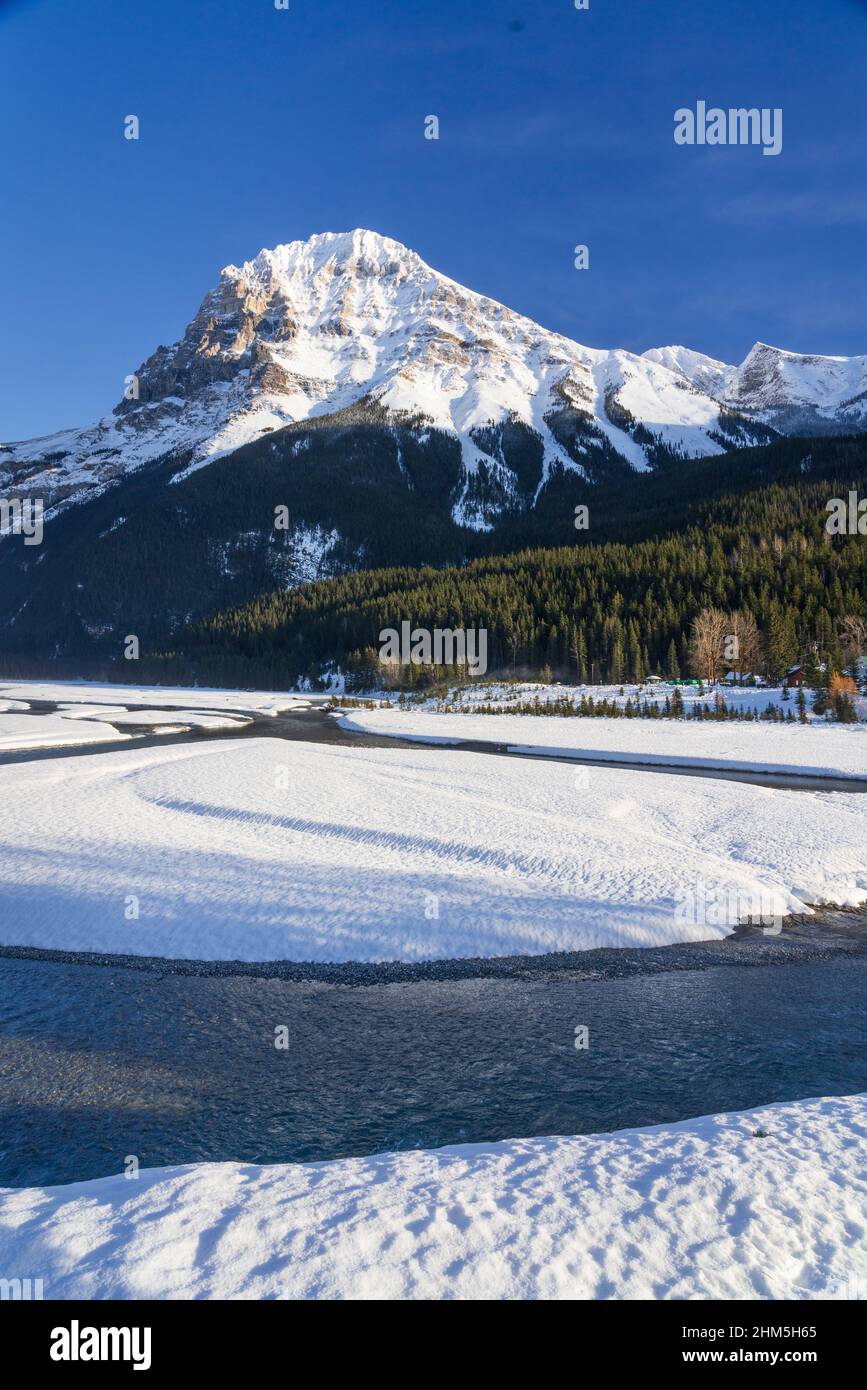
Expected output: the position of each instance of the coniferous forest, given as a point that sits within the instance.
(606, 610)
(741, 532)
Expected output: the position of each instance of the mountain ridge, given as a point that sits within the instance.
(358, 322)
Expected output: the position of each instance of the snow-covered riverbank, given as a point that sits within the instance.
(818, 748)
(87, 713)
(21, 731)
(766, 1204)
(116, 696)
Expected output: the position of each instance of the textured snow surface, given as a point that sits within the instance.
(258, 849)
(19, 731)
(820, 749)
(702, 1209)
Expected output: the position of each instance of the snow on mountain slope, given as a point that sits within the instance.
(706, 373)
(355, 322)
(773, 382)
(792, 392)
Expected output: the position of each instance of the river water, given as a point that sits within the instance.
(98, 1063)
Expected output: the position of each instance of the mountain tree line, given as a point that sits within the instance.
(761, 564)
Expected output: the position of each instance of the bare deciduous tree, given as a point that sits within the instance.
(707, 635)
(853, 638)
(743, 627)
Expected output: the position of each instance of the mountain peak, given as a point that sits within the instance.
(705, 373)
(767, 352)
(761, 349)
(361, 251)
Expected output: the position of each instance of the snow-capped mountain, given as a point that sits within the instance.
(355, 322)
(390, 418)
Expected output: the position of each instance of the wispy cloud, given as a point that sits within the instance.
(829, 210)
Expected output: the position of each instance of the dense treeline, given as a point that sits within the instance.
(607, 611)
(157, 552)
(634, 707)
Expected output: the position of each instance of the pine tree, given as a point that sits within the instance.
(672, 665)
(802, 705)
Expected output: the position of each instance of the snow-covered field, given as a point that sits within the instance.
(745, 701)
(508, 695)
(703, 1209)
(265, 850)
(741, 698)
(818, 748)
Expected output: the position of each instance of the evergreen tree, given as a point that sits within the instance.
(672, 665)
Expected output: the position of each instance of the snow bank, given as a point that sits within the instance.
(268, 850)
(155, 696)
(703, 1209)
(90, 711)
(180, 718)
(818, 749)
(18, 731)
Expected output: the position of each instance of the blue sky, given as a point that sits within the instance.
(260, 126)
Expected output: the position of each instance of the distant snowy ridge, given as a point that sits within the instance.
(790, 391)
(357, 325)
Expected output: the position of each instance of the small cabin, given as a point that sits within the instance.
(795, 676)
(743, 678)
